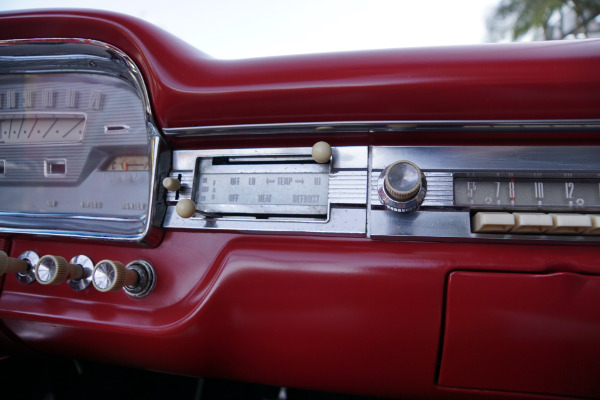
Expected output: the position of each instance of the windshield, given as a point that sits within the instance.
(234, 29)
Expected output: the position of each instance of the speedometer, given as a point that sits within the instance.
(41, 128)
(78, 150)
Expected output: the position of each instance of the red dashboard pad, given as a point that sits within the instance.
(522, 333)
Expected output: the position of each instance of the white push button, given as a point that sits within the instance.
(570, 223)
(532, 222)
(595, 225)
(484, 222)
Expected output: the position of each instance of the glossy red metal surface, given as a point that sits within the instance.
(487, 82)
(348, 315)
(351, 315)
(523, 333)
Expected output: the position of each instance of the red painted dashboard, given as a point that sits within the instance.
(410, 318)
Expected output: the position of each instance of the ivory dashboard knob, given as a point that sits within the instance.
(10, 265)
(321, 152)
(171, 184)
(111, 276)
(54, 270)
(185, 208)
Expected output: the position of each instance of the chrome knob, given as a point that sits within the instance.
(54, 270)
(110, 276)
(402, 186)
(137, 278)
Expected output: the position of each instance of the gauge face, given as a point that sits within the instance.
(75, 149)
(36, 128)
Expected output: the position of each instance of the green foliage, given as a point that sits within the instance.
(551, 18)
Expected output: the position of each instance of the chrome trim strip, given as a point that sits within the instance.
(558, 125)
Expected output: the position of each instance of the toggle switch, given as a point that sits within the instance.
(137, 278)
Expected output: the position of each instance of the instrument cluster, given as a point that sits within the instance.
(78, 150)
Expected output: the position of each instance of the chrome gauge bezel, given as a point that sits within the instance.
(82, 56)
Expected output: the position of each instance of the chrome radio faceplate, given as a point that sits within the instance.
(523, 193)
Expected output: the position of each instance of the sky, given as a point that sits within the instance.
(230, 29)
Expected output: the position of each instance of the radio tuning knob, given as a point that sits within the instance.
(137, 278)
(54, 270)
(11, 265)
(402, 186)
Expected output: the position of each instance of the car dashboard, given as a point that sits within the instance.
(417, 223)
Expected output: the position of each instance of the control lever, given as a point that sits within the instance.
(137, 278)
(321, 152)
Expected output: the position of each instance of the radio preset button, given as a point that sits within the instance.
(532, 222)
(493, 222)
(570, 223)
(595, 225)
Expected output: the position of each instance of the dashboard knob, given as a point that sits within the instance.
(138, 278)
(110, 276)
(171, 184)
(10, 265)
(403, 180)
(185, 208)
(402, 186)
(321, 152)
(54, 270)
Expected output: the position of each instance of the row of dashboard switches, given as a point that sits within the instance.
(137, 278)
(522, 222)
